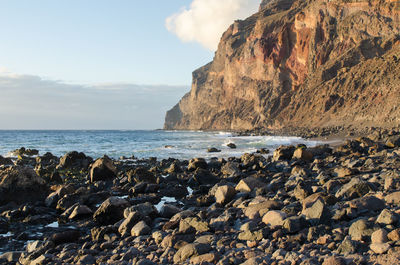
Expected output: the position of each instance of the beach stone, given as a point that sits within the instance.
(380, 248)
(302, 191)
(20, 185)
(342, 172)
(213, 150)
(111, 211)
(367, 203)
(231, 169)
(5, 161)
(231, 145)
(386, 217)
(196, 223)
(169, 210)
(249, 184)
(80, 211)
(303, 154)
(347, 247)
(259, 209)
(141, 174)
(393, 198)
(334, 261)
(145, 209)
(141, 228)
(190, 250)
(394, 235)
(316, 213)
(126, 226)
(196, 163)
(102, 169)
(354, 189)
(65, 237)
(256, 235)
(224, 194)
(294, 224)
(379, 236)
(209, 258)
(274, 218)
(283, 153)
(203, 177)
(360, 229)
(12, 257)
(249, 160)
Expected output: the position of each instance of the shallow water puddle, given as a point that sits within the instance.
(6, 235)
(53, 225)
(163, 201)
(190, 191)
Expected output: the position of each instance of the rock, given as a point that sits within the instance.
(12, 257)
(249, 184)
(132, 219)
(274, 218)
(65, 237)
(259, 209)
(231, 169)
(196, 163)
(74, 160)
(256, 235)
(211, 258)
(347, 247)
(80, 211)
(198, 225)
(141, 228)
(283, 153)
(360, 230)
(367, 203)
(213, 150)
(379, 236)
(110, 211)
(141, 174)
(231, 145)
(203, 177)
(380, 248)
(342, 172)
(169, 210)
(224, 194)
(334, 261)
(394, 235)
(393, 197)
(5, 161)
(354, 189)
(303, 154)
(294, 224)
(190, 250)
(20, 184)
(386, 217)
(316, 213)
(102, 169)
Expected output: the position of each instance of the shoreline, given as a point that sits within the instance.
(274, 209)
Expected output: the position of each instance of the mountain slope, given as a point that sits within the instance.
(310, 63)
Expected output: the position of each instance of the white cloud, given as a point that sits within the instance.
(206, 20)
(31, 102)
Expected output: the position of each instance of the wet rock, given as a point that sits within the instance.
(249, 184)
(21, 184)
(224, 194)
(141, 228)
(213, 150)
(190, 250)
(231, 145)
(111, 211)
(102, 169)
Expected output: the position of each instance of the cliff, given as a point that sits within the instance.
(311, 63)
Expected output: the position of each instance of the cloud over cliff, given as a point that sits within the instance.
(206, 20)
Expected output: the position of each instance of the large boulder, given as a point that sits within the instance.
(74, 160)
(141, 174)
(20, 185)
(5, 161)
(103, 169)
(190, 250)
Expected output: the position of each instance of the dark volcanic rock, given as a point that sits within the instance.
(102, 169)
(111, 211)
(74, 160)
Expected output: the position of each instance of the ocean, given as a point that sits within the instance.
(140, 143)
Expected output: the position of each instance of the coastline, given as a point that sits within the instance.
(264, 209)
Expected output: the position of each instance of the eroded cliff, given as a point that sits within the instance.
(310, 63)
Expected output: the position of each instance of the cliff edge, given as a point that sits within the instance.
(300, 63)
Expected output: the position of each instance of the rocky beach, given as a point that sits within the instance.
(298, 205)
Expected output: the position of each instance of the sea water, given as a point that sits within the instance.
(140, 144)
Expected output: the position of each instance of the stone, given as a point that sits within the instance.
(102, 169)
(334, 261)
(80, 211)
(20, 185)
(5, 161)
(256, 235)
(74, 160)
(274, 218)
(347, 247)
(126, 226)
(294, 224)
(231, 169)
(394, 235)
(198, 225)
(249, 184)
(393, 198)
(231, 145)
(367, 203)
(210, 258)
(379, 236)
(386, 217)
(141, 228)
(342, 172)
(12, 257)
(141, 174)
(111, 211)
(196, 163)
(303, 154)
(317, 212)
(360, 230)
(283, 153)
(65, 237)
(213, 150)
(168, 210)
(380, 248)
(259, 209)
(354, 189)
(190, 250)
(224, 194)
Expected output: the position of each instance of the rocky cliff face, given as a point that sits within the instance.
(309, 63)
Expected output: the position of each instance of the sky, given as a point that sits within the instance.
(102, 64)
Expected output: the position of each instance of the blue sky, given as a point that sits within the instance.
(84, 45)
